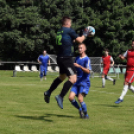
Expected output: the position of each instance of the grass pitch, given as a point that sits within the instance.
(23, 110)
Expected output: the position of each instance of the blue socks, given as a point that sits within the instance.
(84, 107)
(75, 104)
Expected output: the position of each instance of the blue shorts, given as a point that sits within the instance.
(43, 71)
(79, 89)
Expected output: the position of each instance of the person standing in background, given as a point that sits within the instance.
(106, 60)
(43, 60)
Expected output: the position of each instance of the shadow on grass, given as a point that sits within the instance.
(62, 116)
(43, 118)
(24, 76)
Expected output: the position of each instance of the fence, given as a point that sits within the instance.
(95, 64)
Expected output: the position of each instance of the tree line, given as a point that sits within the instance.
(29, 26)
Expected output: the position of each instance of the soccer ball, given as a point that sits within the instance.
(91, 31)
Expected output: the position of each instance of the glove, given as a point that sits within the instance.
(85, 32)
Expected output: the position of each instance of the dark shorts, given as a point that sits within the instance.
(66, 65)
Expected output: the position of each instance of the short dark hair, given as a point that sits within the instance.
(132, 40)
(64, 19)
(106, 50)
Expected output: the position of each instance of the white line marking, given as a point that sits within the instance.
(109, 92)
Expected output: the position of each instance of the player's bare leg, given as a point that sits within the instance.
(83, 105)
(75, 103)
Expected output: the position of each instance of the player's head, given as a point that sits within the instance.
(66, 21)
(132, 44)
(106, 51)
(44, 52)
(82, 48)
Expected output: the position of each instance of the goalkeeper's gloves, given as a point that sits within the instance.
(86, 32)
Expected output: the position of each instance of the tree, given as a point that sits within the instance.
(29, 26)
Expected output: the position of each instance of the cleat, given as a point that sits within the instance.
(119, 101)
(59, 100)
(47, 96)
(86, 117)
(81, 114)
(103, 86)
(114, 82)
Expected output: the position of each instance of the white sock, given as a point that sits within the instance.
(124, 91)
(103, 81)
(109, 78)
(131, 88)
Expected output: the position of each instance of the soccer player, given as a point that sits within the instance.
(106, 60)
(64, 40)
(43, 60)
(82, 85)
(129, 75)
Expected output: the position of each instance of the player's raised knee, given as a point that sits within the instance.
(73, 79)
(71, 96)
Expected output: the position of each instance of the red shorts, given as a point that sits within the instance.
(105, 71)
(129, 76)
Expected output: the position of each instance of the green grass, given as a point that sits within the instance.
(23, 110)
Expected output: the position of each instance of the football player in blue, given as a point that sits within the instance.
(43, 60)
(82, 85)
(64, 41)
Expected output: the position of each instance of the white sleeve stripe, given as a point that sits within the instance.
(111, 58)
(88, 65)
(125, 54)
(101, 60)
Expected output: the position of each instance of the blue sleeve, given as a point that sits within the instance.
(48, 57)
(76, 60)
(87, 64)
(73, 34)
(39, 58)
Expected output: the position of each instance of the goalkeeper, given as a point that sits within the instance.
(64, 41)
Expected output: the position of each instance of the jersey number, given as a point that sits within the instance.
(58, 39)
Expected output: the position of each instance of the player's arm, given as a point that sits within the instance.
(112, 61)
(39, 61)
(123, 56)
(49, 62)
(80, 39)
(83, 37)
(85, 70)
(101, 61)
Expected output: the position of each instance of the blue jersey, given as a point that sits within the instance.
(83, 78)
(44, 60)
(64, 41)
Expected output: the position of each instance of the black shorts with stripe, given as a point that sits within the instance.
(66, 65)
